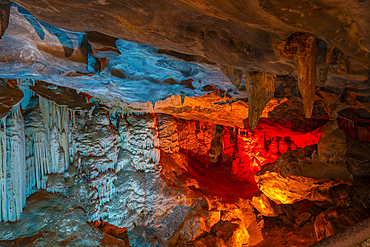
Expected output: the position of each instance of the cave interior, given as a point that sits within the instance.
(179, 123)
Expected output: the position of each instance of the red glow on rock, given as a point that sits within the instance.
(305, 204)
(257, 148)
(244, 153)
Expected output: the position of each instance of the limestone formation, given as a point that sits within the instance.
(332, 145)
(10, 95)
(323, 62)
(234, 75)
(4, 15)
(332, 221)
(260, 88)
(304, 49)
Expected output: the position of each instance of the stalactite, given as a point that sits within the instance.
(40, 158)
(13, 167)
(138, 138)
(104, 184)
(3, 173)
(260, 88)
(303, 48)
(56, 123)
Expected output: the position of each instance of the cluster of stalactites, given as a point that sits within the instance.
(12, 166)
(251, 150)
(56, 122)
(47, 145)
(138, 142)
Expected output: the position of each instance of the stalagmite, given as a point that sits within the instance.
(304, 49)
(3, 173)
(260, 88)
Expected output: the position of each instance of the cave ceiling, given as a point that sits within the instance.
(140, 51)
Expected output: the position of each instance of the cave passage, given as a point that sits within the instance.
(244, 152)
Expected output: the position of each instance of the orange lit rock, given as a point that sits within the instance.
(331, 221)
(168, 134)
(213, 108)
(196, 224)
(303, 218)
(266, 207)
(298, 175)
(194, 135)
(216, 144)
(112, 230)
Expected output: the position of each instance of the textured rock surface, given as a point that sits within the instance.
(62, 95)
(10, 95)
(265, 206)
(299, 175)
(332, 145)
(198, 20)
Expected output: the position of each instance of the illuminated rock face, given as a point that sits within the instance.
(172, 181)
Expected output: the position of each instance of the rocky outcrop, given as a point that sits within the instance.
(151, 144)
(246, 33)
(62, 96)
(235, 75)
(10, 95)
(4, 15)
(307, 173)
(299, 175)
(332, 145)
(265, 206)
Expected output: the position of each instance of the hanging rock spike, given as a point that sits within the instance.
(303, 48)
(235, 75)
(260, 88)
